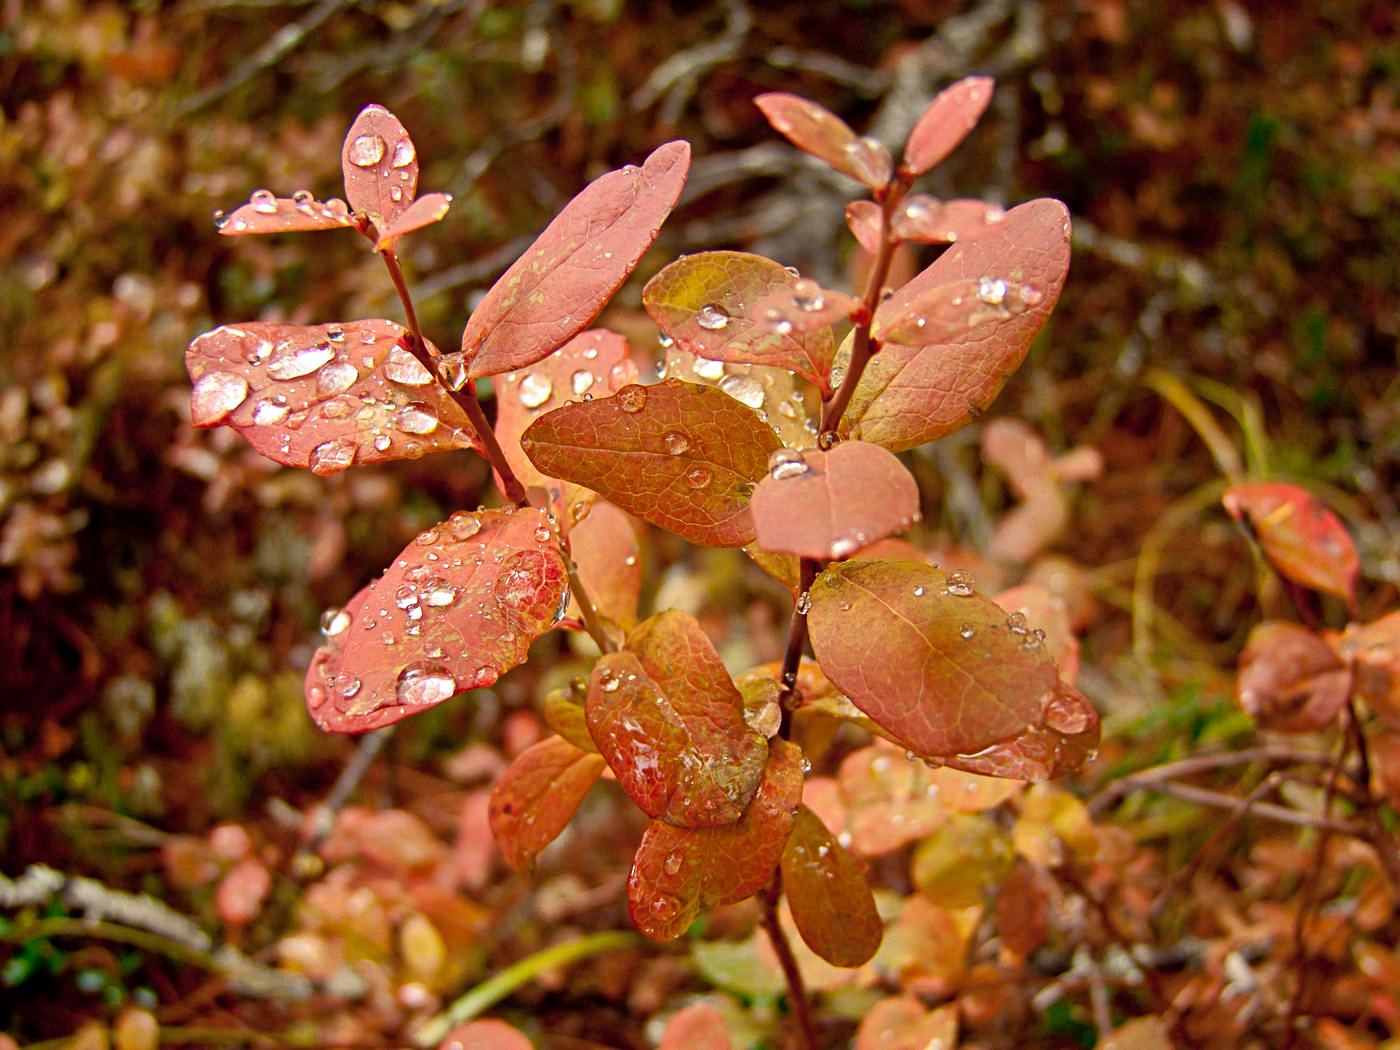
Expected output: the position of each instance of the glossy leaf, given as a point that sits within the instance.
(1303, 540)
(537, 796)
(670, 722)
(380, 165)
(426, 210)
(1290, 679)
(774, 392)
(826, 505)
(863, 220)
(705, 303)
(323, 397)
(563, 712)
(606, 548)
(677, 871)
(489, 1034)
(944, 672)
(1373, 651)
(1047, 614)
(830, 900)
(928, 220)
(681, 456)
(458, 607)
(816, 130)
(805, 307)
(946, 121)
(299, 213)
(912, 394)
(697, 1027)
(560, 284)
(904, 1023)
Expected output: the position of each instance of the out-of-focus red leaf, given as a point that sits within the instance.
(559, 285)
(486, 1035)
(828, 505)
(537, 796)
(1023, 914)
(928, 944)
(323, 397)
(458, 608)
(945, 672)
(698, 1027)
(426, 210)
(1053, 826)
(863, 220)
(824, 135)
(928, 220)
(1385, 762)
(474, 848)
(1373, 651)
(1303, 540)
(678, 455)
(1020, 454)
(705, 303)
(593, 363)
(912, 394)
(300, 213)
(1290, 679)
(392, 839)
(1046, 613)
(240, 895)
(380, 165)
(670, 722)
(805, 307)
(946, 121)
(677, 871)
(904, 1023)
(606, 548)
(830, 900)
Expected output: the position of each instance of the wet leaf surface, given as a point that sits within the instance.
(678, 871)
(1046, 613)
(560, 284)
(300, 213)
(323, 397)
(830, 899)
(805, 307)
(928, 220)
(946, 121)
(606, 548)
(670, 722)
(1290, 678)
(426, 210)
(537, 795)
(458, 607)
(824, 135)
(773, 392)
(705, 302)
(1007, 282)
(826, 505)
(1303, 540)
(380, 165)
(681, 456)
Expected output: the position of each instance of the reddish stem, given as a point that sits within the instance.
(797, 992)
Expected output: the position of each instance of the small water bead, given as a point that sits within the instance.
(1016, 623)
(580, 381)
(960, 583)
(776, 321)
(697, 477)
(675, 442)
(347, 685)
(452, 370)
(334, 621)
(807, 295)
(672, 864)
(438, 594)
(712, 317)
(406, 596)
(427, 537)
(967, 631)
(918, 592)
(664, 907)
(215, 395)
(366, 151)
(542, 534)
(828, 440)
(664, 341)
(534, 390)
(991, 290)
(293, 361)
(382, 442)
(844, 547)
(404, 154)
(744, 389)
(787, 463)
(804, 603)
(632, 398)
(331, 457)
(263, 202)
(405, 369)
(704, 368)
(336, 377)
(220, 219)
(395, 194)
(270, 411)
(303, 199)
(415, 418)
(463, 526)
(424, 683)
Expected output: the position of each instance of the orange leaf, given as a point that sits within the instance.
(323, 397)
(299, 213)
(678, 455)
(424, 211)
(928, 220)
(1373, 650)
(904, 1023)
(459, 607)
(1290, 679)
(863, 220)
(380, 165)
(1303, 540)
(1023, 914)
(824, 135)
(831, 902)
(698, 1027)
(946, 121)
(606, 547)
(537, 795)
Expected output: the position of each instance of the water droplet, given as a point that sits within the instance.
(347, 685)
(334, 621)
(664, 907)
(215, 395)
(395, 194)
(220, 219)
(331, 457)
(366, 151)
(1016, 623)
(404, 154)
(744, 389)
(704, 368)
(336, 377)
(967, 630)
(415, 418)
(804, 603)
(542, 535)
(294, 361)
(1030, 295)
(672, 864)
(303, 199)
(697, 477)
(610, 683)
(438, 594)
(382, 442)
(787, 463)
(664, 341)
(960, 583)
(580, 381)
(424, 683)
(675, 442)
(844, 547)
(776, 321)
(991, 290)
(918, 592)
(463, 526)
(632, 398)
(807, 295)
(406, 597)
(263, 202)
(712, 317)
(452, 370)
(534, 390)
(270, 412)
(402, 367)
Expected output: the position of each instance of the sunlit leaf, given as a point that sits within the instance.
(537, 795)
(380, 165)
(830, 900)
(773, 392)
(928, 220)
(945, 672)
(299, 213)
(863, 219)
(324, 397)
(824, 135)
(1008, 282)
(705, 303)
(559, 285)
(698, 1027)
(426, 210)
(677, 871)
(485, 1035)
(1302, 539)
(1290, 679)
(606, 548)
(946, 121)
(1373, 651)
(456, 609)
(904, 1023)
(826, 505)
(670, 722)
(803, 308)
(678, 455)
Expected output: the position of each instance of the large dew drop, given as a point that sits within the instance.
(535, 389)
(331, 457)
(675, 442)
(293, 362)
(787, 463)
(404, 154)
(366, 151)
(632, 398)
(415, 418)
(745, 389)
(405, 369)
(712, 317)
(215, 395)
(336, 377)
(580, 381)
(424, 683)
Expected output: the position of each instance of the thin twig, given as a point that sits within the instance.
(1201, 764)
(592, 623)
(797, 993)
(370, 745)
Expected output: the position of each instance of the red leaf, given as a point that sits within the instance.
(824, 135)
(1046, 613)
(606, 547)
(678, 871)
(678, 455)
(928, 220)
(863, 219)
(670, 722)
(557, 287)
(1303, 540)
(596, 363)
(424, 211)
(953, 113)
(944, 672)
(265, 213)
(904, 1023)
(1290, 679)
(913, 394)
(380, 165)
(698, 1027)
(485, 1035)
(1023, 914)
(323, 397)
(240, 896)
(1373, 650)
(831, 902)
(805, 307)
(705, 303)
(537, 796)
(828, 505)
(458, 608)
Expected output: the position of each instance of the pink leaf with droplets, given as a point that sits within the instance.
(458, 607)
(946, 121)
(863, 219)
(816, 130)
(537, 795)
(299, 213)
(1303, 540)
(380, 165)
(323, 397)
(424, 211)
(805, 307)
(561, 283)
(928, 220)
